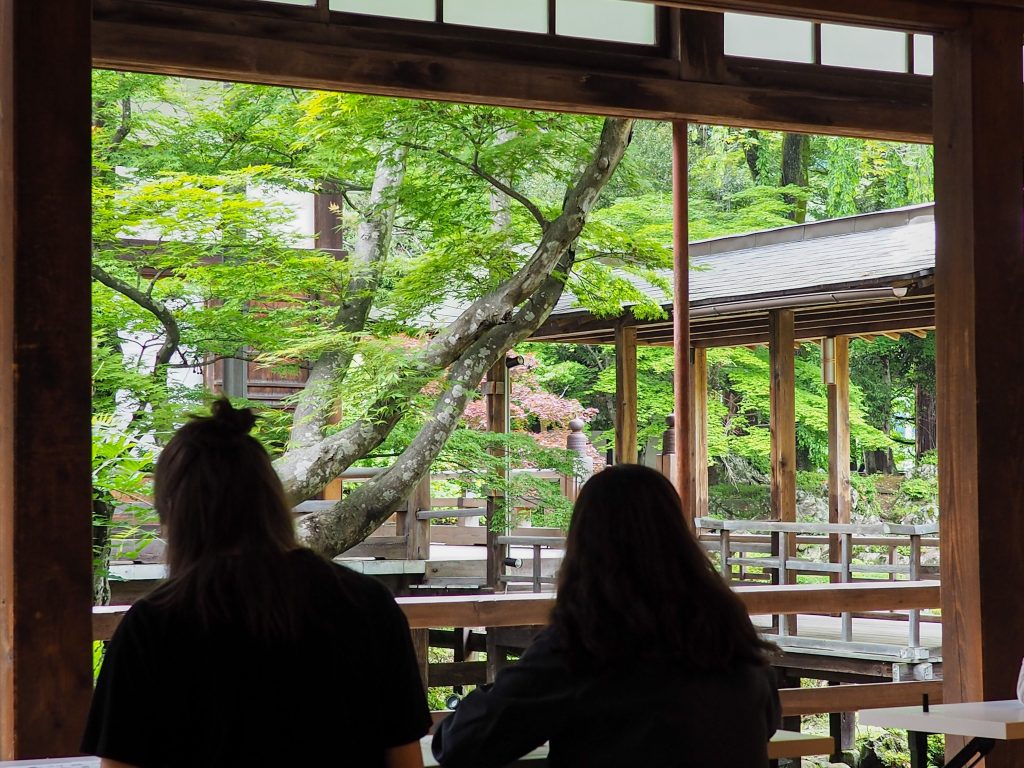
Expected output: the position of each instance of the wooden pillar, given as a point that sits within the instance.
(625, 394)
(417, 532)
(495, 390)
(979, 166)
(45, 475)
(783, 435)
(836, 360)
(327, 208)
(699, 376)
(783, 415)
(681, 321)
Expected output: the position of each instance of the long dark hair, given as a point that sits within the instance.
(635, 580)
(228, 526)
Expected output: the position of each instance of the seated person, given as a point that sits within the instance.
(255, 651)
(650, 659)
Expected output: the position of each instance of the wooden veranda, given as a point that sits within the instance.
(971, 109)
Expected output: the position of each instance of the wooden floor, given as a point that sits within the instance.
(873, 639)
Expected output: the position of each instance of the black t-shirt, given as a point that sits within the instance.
(654, 713)
(173, 694)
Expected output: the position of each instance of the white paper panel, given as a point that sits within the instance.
(923, 64)
(521, 15)
(879, 49)
(765, 37)
(616, 20)
(422, 10)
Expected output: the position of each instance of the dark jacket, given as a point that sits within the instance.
(644, 712)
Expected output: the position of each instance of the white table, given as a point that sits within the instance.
(986, 722)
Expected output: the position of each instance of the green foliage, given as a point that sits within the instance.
(481, 458)
(920, 489)
(122, 463)
(739, 502)
(866, 488)
(743, 377)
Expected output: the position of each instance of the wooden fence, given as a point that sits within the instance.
(532, 610)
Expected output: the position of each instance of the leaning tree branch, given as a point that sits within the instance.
(498, 305)
(474, 168)
(307, 467)
(368, 255)
(348, 522)
(172, 331)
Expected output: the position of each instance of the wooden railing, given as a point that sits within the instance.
(776, 552)
(531, 610)
(534, 609)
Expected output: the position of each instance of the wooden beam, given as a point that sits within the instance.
(979, 164)
(838, 394)
(625, 395)
(683, 471)
(851, 698)
(699, 374)
(783, 416)
(278, 45)
(909, 15)
(45, 473)
(527, 609)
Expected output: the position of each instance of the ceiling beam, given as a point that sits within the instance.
(452, 65)
(908, 15)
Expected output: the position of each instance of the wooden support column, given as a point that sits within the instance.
(45, 474)
(327, 210)
(979, 167)
(836, 358)
(783, 431)
(783, 415)
(495, 391)
(699, 376)
(625, 394)
(417, 532)
(681, 321)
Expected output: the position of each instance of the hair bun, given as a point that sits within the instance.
(234, 420)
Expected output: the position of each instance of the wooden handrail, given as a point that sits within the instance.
(851, 698)
(863, 529)
(534, 609)
(839, 698)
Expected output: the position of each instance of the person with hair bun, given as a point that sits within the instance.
(649, 660)
(255, 650)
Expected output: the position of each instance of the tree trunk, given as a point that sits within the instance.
(102, 520)
(470, 345)
(796, 158)
(924, 420)
(368, 255)
(751, 151)
(305, 469)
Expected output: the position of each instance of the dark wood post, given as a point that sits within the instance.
(496, 393)
(416, 531)
(327, 209)
(45, 493)
(783, 436)
(783, 415)
(699, 377)
(625, 394)
(681, 321)
(836, 359)
(979, 166)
